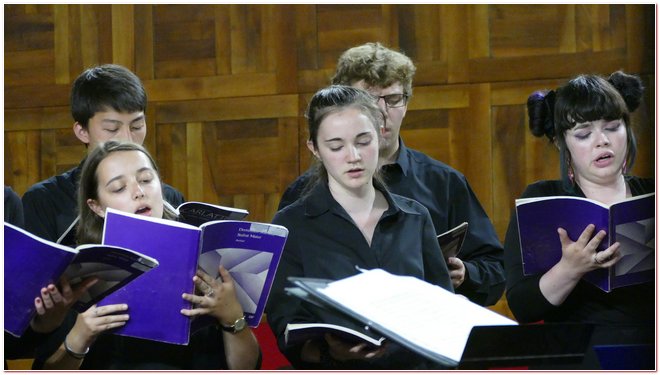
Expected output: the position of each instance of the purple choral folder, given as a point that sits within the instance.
(249, 251)
(630, 222)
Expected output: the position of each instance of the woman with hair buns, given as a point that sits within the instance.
(588, 119)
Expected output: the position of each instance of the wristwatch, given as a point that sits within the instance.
(237, 327)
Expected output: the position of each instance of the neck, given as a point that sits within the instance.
(608, 193)
(354, 200)
(389, 155)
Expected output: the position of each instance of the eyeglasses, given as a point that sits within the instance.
(393, 100)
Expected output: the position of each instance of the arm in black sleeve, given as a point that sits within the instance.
(282, 308)
(172, 196)
(39, 213)
(482, 251)
(435, 267)
(13, 208)
(50, 342)
(294, 191)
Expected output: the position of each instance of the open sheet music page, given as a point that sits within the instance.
(423, 314)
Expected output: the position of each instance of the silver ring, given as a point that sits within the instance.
(210, 293)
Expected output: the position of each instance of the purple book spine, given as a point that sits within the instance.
(154, 299)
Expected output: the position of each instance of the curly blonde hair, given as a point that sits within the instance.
(376, 65)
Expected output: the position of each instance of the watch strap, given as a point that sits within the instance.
(238, 325)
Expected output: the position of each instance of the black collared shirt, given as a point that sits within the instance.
(50, 206)
(450, 200)
(325, 243)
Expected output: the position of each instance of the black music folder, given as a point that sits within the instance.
(531, 345)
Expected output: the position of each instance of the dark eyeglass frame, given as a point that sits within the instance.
(388, 98)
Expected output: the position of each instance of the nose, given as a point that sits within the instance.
(354, 154)
(603, 140)
(138, 193)
(124, 134)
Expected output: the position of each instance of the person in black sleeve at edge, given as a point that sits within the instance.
(108, 102)
(479, 272)
(13, 208)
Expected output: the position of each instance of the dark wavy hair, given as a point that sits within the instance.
(331, 100)
(90, 225)
(103, 87)
(585, 98)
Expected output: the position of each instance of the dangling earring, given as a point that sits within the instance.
(569, 168)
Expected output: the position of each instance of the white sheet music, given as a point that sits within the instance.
(425, 314)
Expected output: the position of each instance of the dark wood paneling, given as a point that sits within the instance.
(228, 85)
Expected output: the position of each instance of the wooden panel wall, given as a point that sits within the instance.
(228, 84)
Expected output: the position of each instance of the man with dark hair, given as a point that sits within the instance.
(107, 102)
(478, 272)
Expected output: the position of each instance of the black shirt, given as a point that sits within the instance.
(586, 303)
(325, 243)
(13, 208)
(450, 200)
(50, 206)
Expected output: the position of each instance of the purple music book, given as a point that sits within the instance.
(249, 251)
(630, 222)
(32, 263)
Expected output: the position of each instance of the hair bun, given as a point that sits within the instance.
(540, 108)
(629, 86)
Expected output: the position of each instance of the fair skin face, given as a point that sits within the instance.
(127, 181)
(348, 148)
(393, 119)
(598, 151)
(389, 149)
(112, 125)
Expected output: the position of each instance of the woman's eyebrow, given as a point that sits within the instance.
(582, 126)
(114, 179)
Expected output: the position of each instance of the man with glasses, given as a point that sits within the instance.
(387, 75)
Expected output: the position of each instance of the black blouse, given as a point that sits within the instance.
(446, 194)
(325, 243)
